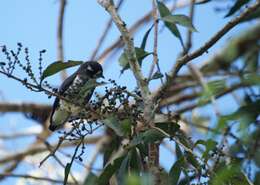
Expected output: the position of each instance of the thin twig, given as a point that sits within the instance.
(188, 57)
(33, 177)
(52, 153)
(60, 36)
(129, 45)
(104, 34)
(155, 41)
(48, 146)
(99, 146)
(135, 27)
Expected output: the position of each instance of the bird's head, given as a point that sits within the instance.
(91, 69)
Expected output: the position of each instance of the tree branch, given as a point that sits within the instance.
(33, 177)
(60, 36)
(188, 57)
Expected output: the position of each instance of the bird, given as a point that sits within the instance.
(78, 88)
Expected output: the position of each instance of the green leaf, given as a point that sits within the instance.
(113, 123)
(149, 136)
(210, 145)
(135, 160)
(57, 67)
(182, 20)
(111, 148)
(184, 140)
(213, 88)
(238, 4)
(203, 2)
(175, 171)
(123, 170)
(109, 170)
(68, 165)
(251, 79)
(146, 37)
(90, 179)
(244, 115)
(152, 135)
(164, 11)
(157, 75)
(144, 179)
(253, 15)
(67, 172)
(126, 126)
(140, 54)
(133, 179)
(169, 127)
(192, 160)
(251, 59)
(179, 153)
(230, 174)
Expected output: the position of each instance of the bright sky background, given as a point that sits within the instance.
(34, 24)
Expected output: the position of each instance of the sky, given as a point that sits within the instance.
(34, 24)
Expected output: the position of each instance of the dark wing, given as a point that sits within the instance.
(88, 96)
(67, 82)
(54, 106)
(64, 86)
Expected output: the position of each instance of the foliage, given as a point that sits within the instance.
(228, 156)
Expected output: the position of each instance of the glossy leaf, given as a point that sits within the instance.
(192, 160)
(122, 171)
(253, 15)
(90, 179)
(135, 160)
(149, 136)
(175, 171)
(145, 179)
(244, 115)
(164, 11)
(238, 4)
(114, 124)
(140, 54)
(179, 153)
(57, 67)
(152, 135)
(169, 127)
(184, 140)
(251, 79)
(66, 173)
(213, 88)
(182, 20)
(110, 170)
(146, 37)
(157, 75)
(203, 2)
(210, 145)
(230, 174)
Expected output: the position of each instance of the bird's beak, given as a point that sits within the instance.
(102, 76)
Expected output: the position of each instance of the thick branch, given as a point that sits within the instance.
(24, 107)
(137, 25)
(42, 148)
(60, 36)
(33, 177)
(188, 57)
(129, 45)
